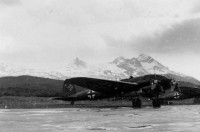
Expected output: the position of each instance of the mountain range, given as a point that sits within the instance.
(117, 69)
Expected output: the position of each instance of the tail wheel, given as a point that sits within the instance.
(156, 103)
(136, 103)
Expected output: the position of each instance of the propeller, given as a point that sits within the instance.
(154, 83)
(154, 89)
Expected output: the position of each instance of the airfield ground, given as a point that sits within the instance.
(15, 102)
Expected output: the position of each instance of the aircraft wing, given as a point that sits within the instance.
(106, 86)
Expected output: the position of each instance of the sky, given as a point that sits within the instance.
(49, 33)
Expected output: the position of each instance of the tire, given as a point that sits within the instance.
(156, 103)
(136, 103)
(72, 102)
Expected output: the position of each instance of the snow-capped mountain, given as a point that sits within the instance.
(78, 67)
(78, 63)
(117, 69)
(121, 68)
(12, 70)
(142, 65)
(151, 65)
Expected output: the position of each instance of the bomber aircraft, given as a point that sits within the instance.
(184, 90)
(153, 87)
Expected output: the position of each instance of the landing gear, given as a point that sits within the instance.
(156, 103)
(72, 102)
(136, 103)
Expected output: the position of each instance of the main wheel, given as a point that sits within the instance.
(72, 102)
(136, 103)
(156, 103)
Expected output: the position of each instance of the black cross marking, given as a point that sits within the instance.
(91, 94)
(176, 95)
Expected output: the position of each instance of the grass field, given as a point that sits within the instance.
(16, 102)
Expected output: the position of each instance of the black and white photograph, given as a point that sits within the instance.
(99, 65)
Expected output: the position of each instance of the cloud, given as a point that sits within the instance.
(92, 29)
(196, 8)
(10, 2)
(180, 38)
(7, 44)
(87, 12)
(80, 13)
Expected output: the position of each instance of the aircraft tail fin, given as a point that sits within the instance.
(68, 89)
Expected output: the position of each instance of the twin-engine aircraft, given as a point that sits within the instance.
(153, 87)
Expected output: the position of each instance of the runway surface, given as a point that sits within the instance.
(167, 118)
